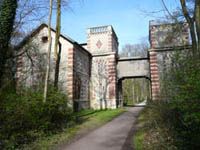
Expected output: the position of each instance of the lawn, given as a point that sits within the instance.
(87, 120)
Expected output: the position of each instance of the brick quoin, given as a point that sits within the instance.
(70, 74)
(155, 85)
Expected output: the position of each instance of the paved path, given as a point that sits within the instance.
(112, 136)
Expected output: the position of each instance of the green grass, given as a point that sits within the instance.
(88, 120)
(138, 140)
(140, 133)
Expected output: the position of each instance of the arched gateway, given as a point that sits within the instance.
(91, 73)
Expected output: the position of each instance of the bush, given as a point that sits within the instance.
(24, 117)
(182, 109)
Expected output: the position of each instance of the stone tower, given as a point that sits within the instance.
(102, 43)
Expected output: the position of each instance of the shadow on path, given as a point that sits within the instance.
(115, 135)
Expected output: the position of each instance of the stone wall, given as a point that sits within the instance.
(164, 39)
(168, 35)
(165, 59)
(103, 45)
(103, 82)
(102, 40)
(31, 66)
(82, 68)
(133, 67)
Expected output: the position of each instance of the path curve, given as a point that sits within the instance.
(111, 136)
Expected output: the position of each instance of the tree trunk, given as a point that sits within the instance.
(7, 18)
(49, 52)
(57, 67)
(191, 22)
(197, 20)
(56, 53)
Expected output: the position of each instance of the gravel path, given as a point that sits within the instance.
(115, 135)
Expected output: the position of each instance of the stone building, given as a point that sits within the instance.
(91, 74)
(87, 71)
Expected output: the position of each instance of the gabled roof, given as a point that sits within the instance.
(38, 29)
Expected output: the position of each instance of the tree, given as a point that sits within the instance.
(189, 12)
(49, 51)
(194, 24)
(7, 17)
(57, 43)
(135, 50)
(29, 12)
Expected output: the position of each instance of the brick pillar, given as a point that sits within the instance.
(153, 43)
(112, 73)
(155, 85)
(70, 75)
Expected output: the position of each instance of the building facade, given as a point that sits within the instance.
(91, 73)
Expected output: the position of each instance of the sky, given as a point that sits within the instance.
(129, 18)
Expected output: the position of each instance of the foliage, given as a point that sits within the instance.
(176, 120)
(24, 117)
(153, 132)
(7, 17)
(183, 86)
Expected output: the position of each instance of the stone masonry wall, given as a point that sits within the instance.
(103, 82)
(103, 45)
(164, 39)
(79, 61)
(82, 68)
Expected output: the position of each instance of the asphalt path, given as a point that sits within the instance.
(115, 135)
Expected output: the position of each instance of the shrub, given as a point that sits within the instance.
(182, 109)
(24, 117)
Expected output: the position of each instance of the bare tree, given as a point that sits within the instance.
(194, 24)
(57, 37)
(135, 50)
(189, 12)
(49, 51)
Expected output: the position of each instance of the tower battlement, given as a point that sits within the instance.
(102, 39)
(100, 29)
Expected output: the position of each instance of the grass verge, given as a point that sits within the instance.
(152, 132)
(140, 131)
(87, 120)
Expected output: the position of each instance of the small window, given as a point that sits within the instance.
(44, 39)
